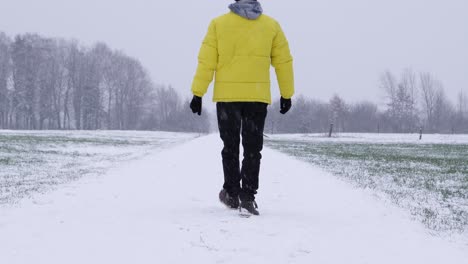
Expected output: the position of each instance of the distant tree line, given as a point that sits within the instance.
(50, 83)
(413, 102)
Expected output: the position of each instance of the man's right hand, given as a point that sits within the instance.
(196, 105)
(285, 105)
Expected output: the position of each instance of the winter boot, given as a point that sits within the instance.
(228, 200)
(250, 206)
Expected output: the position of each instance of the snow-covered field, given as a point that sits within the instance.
(429, 177)
(163, 208)
(34, 162)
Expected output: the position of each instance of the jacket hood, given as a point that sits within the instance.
(250, 9)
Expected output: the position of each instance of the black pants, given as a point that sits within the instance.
(246, 119)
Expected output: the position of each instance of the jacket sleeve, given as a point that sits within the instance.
(207, 62)
(282, 60)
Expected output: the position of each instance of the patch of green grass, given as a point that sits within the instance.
(5, 161)
(430, 179)
(38, 139)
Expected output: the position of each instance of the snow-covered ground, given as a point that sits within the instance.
(163, 208)
(36, 161)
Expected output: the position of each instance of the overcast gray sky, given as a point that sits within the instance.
(340, 46)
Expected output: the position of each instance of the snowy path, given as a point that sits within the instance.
(164, 209)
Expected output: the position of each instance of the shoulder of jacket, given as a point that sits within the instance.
(270, 20)
(221, 18)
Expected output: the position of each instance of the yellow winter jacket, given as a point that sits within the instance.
(240, 52)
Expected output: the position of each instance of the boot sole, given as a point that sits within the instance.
(245, 213)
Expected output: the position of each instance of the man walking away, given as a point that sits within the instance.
(239, 48)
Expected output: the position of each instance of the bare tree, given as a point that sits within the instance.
(461, 119)
(59, 74)
(444, 112)
(27, 61)
(166, 104)
(462, 104)
(407, 101)
(339, 111)
(389, 84)
(401, 100)
(429, 88)
(5, 69)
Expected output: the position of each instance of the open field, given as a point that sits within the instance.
(33, 162)
(427, 177)
(164, 208)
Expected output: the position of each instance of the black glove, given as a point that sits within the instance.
(196, 105)
(285, 105)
